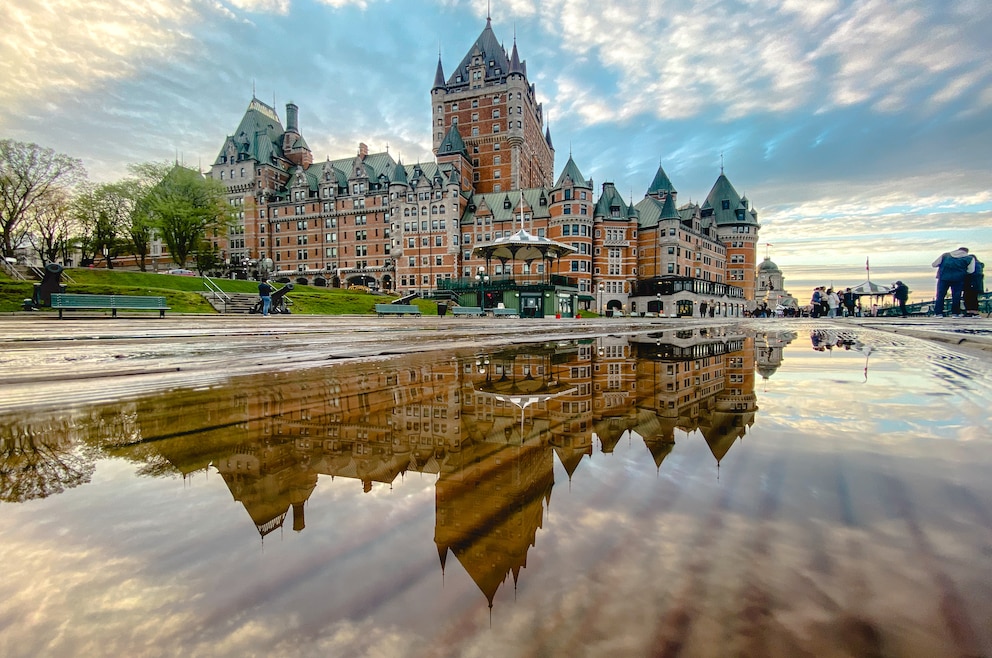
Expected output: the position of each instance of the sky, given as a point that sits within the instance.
(861, 130)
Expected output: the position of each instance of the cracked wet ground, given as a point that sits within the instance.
(430, 488)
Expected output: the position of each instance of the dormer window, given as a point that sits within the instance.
(725, 204)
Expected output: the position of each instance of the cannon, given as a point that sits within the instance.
(278, 301)
(51, 281)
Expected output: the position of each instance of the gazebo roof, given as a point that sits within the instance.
(522, 246)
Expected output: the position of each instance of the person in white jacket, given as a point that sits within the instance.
(833, 303)
(952, 269)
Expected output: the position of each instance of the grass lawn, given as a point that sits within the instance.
(182, 292)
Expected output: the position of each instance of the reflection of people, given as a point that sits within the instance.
(952, 269)
(973, 285)
(900, 293)
(265, 292)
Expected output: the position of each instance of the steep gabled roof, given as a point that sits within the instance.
(608, 200)
(493, 56)
(725, 204)
(452, 143)
(259, 135)
(571, 171)
(493, 203)
(661, 184)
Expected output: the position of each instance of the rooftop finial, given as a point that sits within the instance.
(489, 11)
(721, 163)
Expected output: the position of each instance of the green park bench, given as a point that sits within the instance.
(467, 310)
(506, 313)
(396, 309)
(77, 302)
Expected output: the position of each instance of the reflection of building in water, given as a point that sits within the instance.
(487, 425)
(768, 351)
(691, 382)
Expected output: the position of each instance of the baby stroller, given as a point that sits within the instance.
(278, 304)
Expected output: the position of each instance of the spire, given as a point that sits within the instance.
(547, 138)
(452, 143)
(515, 66)
(439, 74)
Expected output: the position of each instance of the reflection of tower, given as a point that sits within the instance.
(614, 384)
(736, 405)
(490, 501)
(268, 479)
(768, 349)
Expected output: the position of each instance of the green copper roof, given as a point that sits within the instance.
(661, 183)
(609, 200)
(571, 171)
(452, 143)
(496, 202)
(259, 135)
(726, 206)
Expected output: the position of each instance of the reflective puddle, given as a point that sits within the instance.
(705, 493)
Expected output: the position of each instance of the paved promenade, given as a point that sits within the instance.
(46, 361)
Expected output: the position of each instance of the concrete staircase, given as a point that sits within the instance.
(240, 303)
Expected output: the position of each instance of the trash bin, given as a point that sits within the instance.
(442, 309)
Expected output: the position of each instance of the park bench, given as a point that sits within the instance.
(76, 302)
(396, 309)
(467, 310)
(506, 313)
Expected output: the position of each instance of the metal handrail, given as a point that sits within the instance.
(216, 291)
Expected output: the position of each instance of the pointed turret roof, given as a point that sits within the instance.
(547, 138)
(452, 143)
(399, 174)
(725, 204)
(439, 74)
(493, 56)
(571, 171)
(515, 66)
(661, 184)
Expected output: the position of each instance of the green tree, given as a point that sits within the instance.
(187, 208)
(28, 175)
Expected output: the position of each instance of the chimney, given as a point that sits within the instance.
(292, 118)
(363, 151)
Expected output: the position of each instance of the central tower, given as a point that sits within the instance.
(489, 102)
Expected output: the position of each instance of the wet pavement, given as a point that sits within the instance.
(460, 487)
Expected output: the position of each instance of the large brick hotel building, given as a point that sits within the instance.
(372, 220)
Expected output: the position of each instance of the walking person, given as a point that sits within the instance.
(265, 293)
(953, 267)
(974, 285)
(900, 293)
(833, 303)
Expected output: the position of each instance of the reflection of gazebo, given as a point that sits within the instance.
(521, 246)
(522, 377)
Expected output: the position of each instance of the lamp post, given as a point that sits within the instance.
(482, 279)
(657, 297)
(602, 289)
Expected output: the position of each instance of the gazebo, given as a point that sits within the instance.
(522, 246)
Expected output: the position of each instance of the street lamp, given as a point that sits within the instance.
(482, 279)
(602, 289)
(657, 297)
